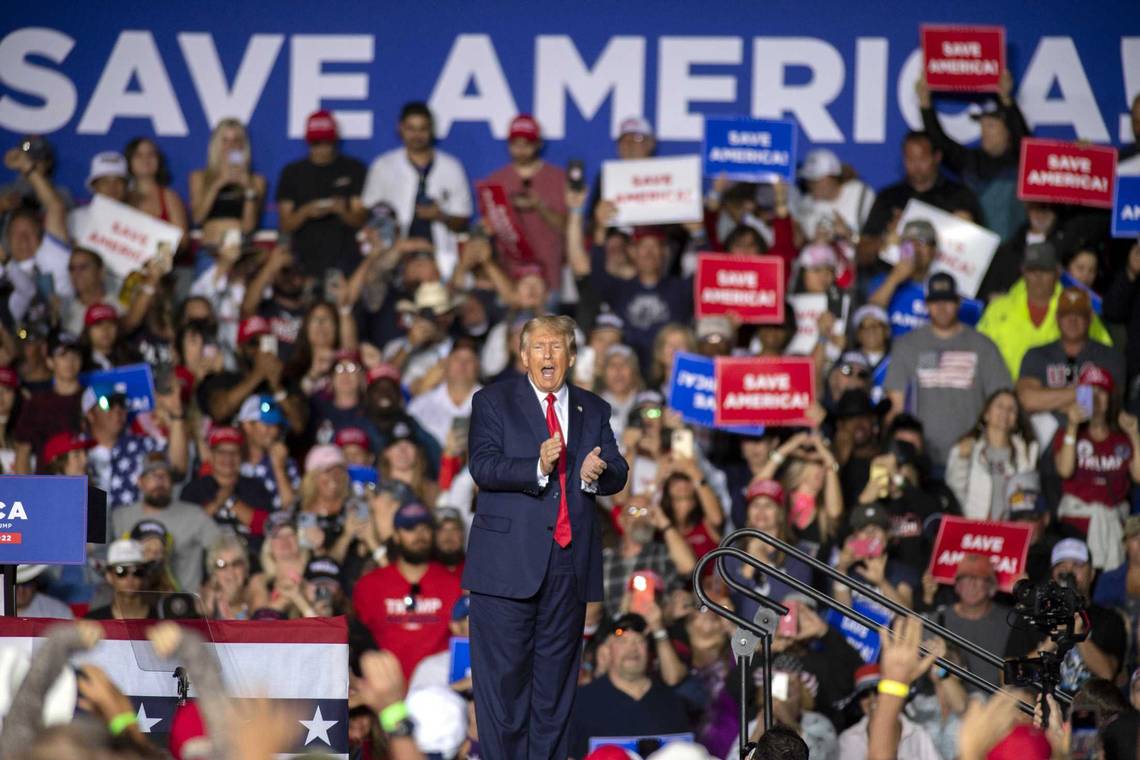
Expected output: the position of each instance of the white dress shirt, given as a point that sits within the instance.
(562, 411)
(393, 180)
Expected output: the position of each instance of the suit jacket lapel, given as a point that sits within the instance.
(532, 410)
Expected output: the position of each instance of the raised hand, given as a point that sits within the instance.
(593, 466)
(549, 452)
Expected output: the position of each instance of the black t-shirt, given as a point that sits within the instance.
(284, 323)
(327, 242)
(910, 540)
(945, 194)
(601, 709)
(252, 491)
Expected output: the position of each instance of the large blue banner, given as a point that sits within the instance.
(43, 520)
(93, 75)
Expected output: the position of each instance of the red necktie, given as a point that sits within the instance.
(562, 525)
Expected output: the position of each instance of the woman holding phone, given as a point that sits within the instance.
(1097, 455)
(227, 194)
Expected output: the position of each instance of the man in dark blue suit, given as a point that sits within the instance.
(541, 451)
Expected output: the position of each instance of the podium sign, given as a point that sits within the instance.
(43, 520)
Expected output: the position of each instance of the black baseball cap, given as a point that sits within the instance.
(630, 621)
(941, 287)
(1040, 256)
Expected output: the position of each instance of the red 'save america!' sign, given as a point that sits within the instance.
(963, 58)
(749, 287)
(758, 390)
(1054, 171)
(1005, 543)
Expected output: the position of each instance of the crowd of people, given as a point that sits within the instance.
(306, 453)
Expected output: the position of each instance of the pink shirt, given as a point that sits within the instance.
(549, 184)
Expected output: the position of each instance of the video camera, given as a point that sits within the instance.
(1047, 605)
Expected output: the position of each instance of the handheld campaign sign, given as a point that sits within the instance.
(692, 393)
(496, 208)
(764, 390)
(363, 474)
(654, 190)
(1054, 171)
(43, 520)
(862, 639)
(1005, 543)
(459, 651)
(133, 380)
(1126, 208)
(750, 287)
(963, 58)
(124, 237)
(750, 150)
(965, 249)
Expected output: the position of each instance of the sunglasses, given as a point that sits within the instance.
(222, 564)
(410, 597)
(848, 370)
(651, 413)
(345, 367)
(138, 571)
(637, 511)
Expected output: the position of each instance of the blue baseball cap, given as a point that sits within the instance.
(261, 408)
(412, 515)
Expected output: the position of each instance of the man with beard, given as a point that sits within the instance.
(640, 550)
(384, 405)
(450, 539)
(285, 309)
(407, 604)
(193, 529)
(628, 701)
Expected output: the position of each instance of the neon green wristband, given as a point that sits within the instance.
(391, 716)
(121, 722)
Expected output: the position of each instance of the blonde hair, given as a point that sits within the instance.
(215, 161)
(308, 490)
(795, 471)
(269, 564)
(563, 326)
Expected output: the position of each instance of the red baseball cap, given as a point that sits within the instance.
(346, 355)
(770, 488)
(98, 312)
(1097, 377)
(252, 327)
(384, 372)
(187, 732)
(320, 127)
(223, 435)
(9, 378)
(353, 436)
(62, 443)
(525, 126)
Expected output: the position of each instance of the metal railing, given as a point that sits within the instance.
(764, 627)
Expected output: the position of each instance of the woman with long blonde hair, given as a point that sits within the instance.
(403, 460)
(227, 194)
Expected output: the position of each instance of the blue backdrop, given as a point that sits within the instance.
(93, 75)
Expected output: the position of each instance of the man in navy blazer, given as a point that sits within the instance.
(541, 451)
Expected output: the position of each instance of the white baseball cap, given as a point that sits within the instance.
(125, 551)
(1069, 549)
(440, 716)
(109, 163)
(820, 163)
(635, 125)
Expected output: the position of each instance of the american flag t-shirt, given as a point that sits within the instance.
(947, 369)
